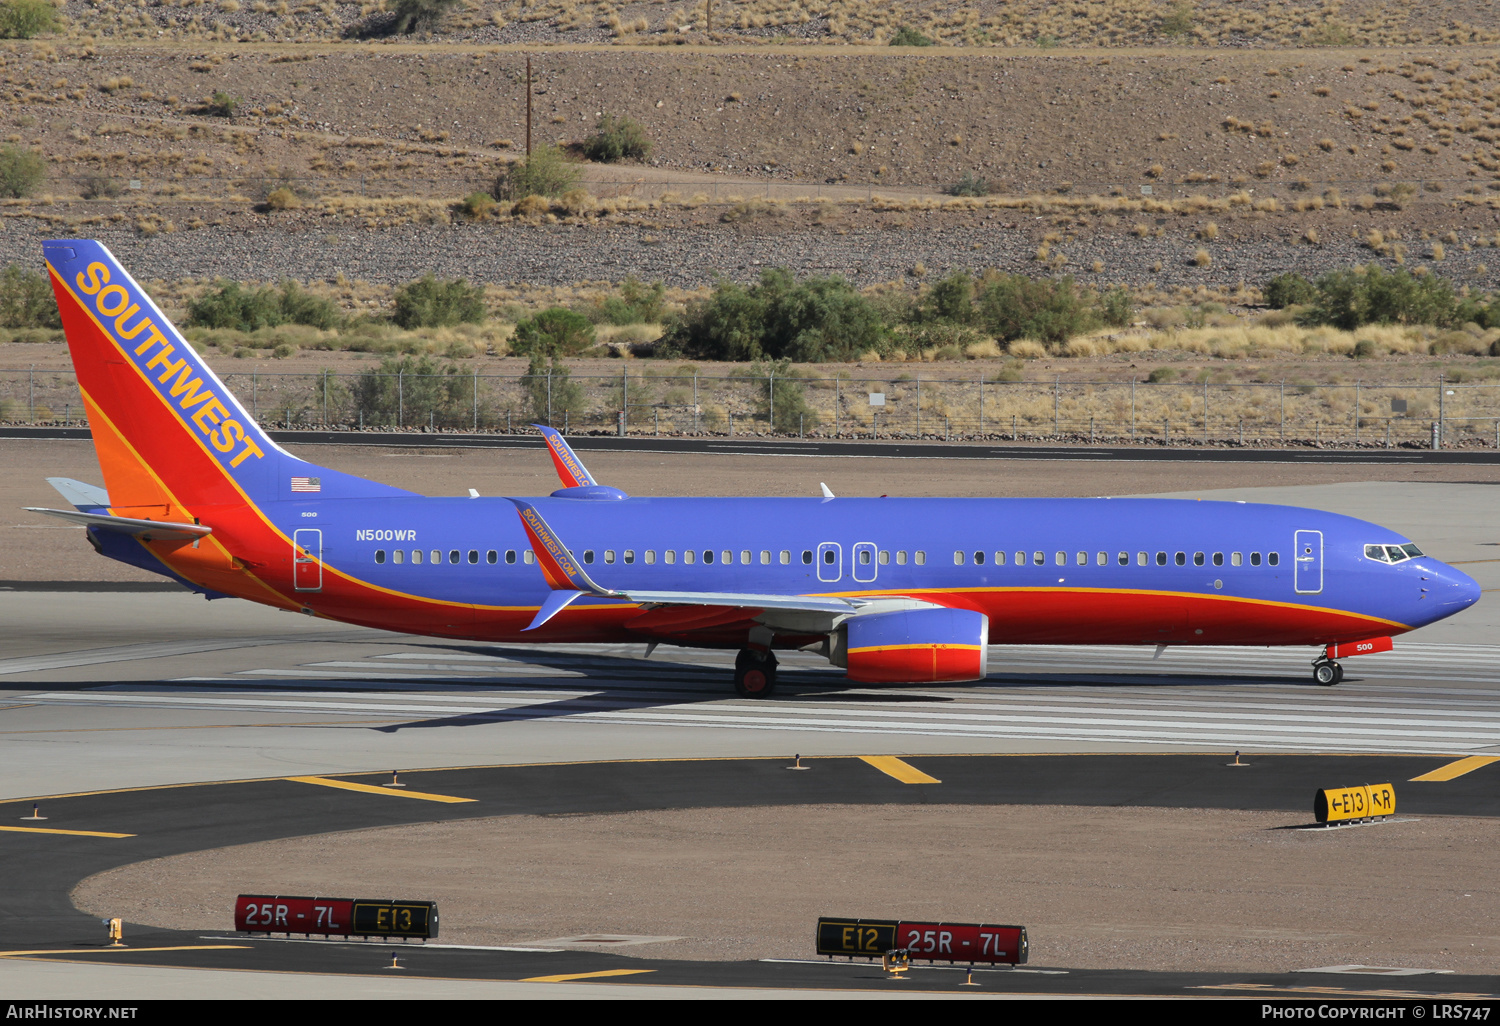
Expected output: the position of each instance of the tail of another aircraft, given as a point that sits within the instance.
(170, 437)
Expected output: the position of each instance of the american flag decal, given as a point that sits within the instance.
(306, 484)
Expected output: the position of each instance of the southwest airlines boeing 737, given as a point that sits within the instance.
(893, 590)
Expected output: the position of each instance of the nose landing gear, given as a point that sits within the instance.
(755, 673)
(1327, 672)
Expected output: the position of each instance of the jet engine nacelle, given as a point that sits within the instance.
(916, 646)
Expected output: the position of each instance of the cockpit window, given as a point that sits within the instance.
(1392, 553)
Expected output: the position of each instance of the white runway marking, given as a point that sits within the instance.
(1224, 698)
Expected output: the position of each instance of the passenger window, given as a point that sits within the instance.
(885, 557)
(628, 555)
(380, 555)
(398, 556)
(529, 556)
(864, 557)
(1236, 558)
(609, 555)
(1142, 559)
(453, 555)
(1218, 559)
(1101, 559)
(416, 555)
(1060, 558)
(708, 556)
(1197, 559)
(999, 559)
(726, 556)
(901, 557)
(807, 557)
(958, 559)
(1039, 558)
(588, 555)
(510, 555)
(1272, 558)
(1255, 559)
(1020, 559)
(688, 556)
(765, 557)
(786, 557)
(828, 556)
(921, 557)
(670, 556)
(650, 557)
(473, 555)
(744, 556)
(436, 556)
(492, 556)
(1081, 558)
(1161, 559)
(1182, 559)
(1123, 558)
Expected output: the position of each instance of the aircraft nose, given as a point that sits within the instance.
(1457, 590)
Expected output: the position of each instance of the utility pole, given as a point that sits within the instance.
(528, 105)
(708, 7)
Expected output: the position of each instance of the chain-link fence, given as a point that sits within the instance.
(644, 400)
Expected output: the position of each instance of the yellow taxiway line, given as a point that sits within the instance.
(389, 792)
(54, 830)
(586, 976)
(902, 771)
(1459, 768)
(123, 950)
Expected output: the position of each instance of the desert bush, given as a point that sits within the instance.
(617, 138)
(1178, 21)
(949, 299)
(545, 172)
(550, 390)
(937, 337)
(477, 206)
(26, 300)
(21, 171)
(969, 185)
(430, 303)
(635, 303)
(1349, 299)
(22, 19)
(554, 332)
(1117, 307)
(1012, 306)
(414, 391)
(782, 386)
(100, 188)
(220, 105)
(779, 318)
(1289, 289)
(418, 15)
(908, 36)
(283, 199)
(236, 308)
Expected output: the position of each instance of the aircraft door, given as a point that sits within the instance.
(1307, 557)
(830, 561)
(864, 567)
(307, 559)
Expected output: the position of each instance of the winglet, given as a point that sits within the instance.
(569, 467)
(558, 565)
(556, 603)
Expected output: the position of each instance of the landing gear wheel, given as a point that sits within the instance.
(755, 673)
(1327, 673)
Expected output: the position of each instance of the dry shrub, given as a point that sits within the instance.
(1209, 232)
(1310, 236)
(283, 199)
(1027, 349)
(1202, 258)
(989, 349)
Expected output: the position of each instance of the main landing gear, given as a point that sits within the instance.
(1327, 672)
(755, 673)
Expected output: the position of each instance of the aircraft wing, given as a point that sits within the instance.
(151, 530)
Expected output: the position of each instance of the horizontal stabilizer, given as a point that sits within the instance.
(151, 530)
(80, 493)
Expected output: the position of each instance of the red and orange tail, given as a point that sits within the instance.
(171, 438)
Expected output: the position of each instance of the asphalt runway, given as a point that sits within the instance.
(86, 834)
(111, 691)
